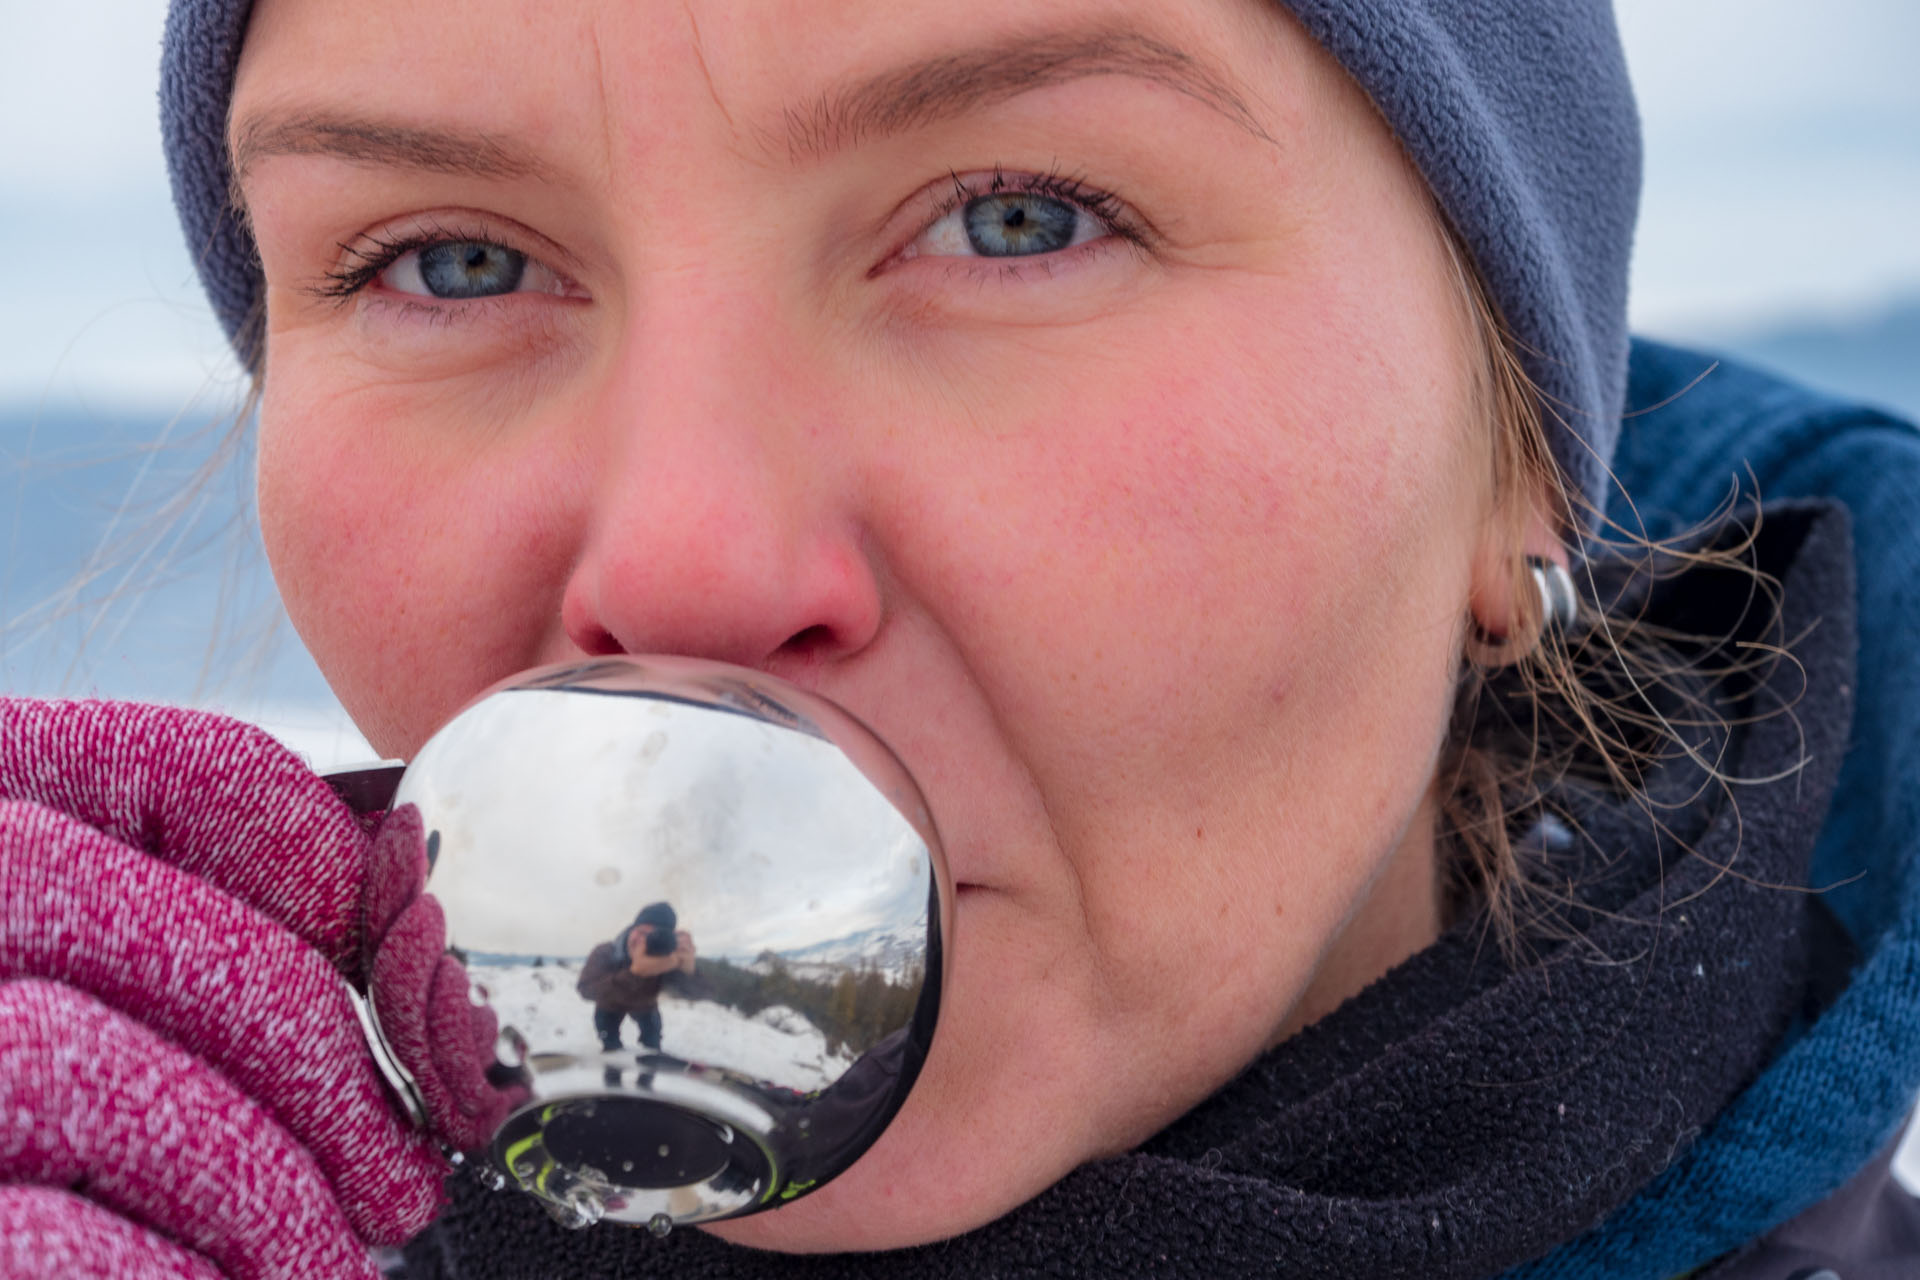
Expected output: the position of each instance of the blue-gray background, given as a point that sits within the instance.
(1783, 198)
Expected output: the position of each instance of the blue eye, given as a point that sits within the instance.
(460, 271)
(470, 269)
(1012, 224)
(1022, 221)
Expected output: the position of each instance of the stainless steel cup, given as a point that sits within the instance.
(707, 909)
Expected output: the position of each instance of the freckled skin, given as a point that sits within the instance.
(1152, 565)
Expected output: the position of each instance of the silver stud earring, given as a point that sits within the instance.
(1559, 606)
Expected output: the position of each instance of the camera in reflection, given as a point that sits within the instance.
(623, 978)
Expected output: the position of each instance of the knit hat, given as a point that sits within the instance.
(1517, 112)
(657, 913)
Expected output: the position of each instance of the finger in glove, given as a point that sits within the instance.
(396, 875)
(92, 1100)
(223, 982)
(48, 1232)
(421, 995)
(216, 797)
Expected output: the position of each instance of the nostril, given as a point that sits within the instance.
(597, 642)
(813, 642)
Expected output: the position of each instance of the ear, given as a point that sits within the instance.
(1505, 605)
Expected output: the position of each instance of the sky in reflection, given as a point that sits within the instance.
(562, 814)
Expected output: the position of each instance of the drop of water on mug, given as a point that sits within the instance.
(663, 1151)
(508, 1049)
(660, 1224)
(580, 1210)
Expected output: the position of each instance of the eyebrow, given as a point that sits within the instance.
(915, 96)
(952, 84)
(461, 152)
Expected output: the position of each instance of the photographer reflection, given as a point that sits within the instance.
(623, 977)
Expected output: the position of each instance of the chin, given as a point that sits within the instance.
(927, 1178)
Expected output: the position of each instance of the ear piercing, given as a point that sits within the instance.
(1559, 606)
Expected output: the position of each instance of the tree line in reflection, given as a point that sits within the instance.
(853, 1008)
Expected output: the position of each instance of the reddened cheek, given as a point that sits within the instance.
(415, 575)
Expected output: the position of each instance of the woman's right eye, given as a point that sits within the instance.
(461, 270)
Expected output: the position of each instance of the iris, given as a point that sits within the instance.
(470, 269)
(1011, 224)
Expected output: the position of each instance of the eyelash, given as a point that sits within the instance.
(1103, 206)
(374, 253)
(363, 261)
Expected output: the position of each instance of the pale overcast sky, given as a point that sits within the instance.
(761, 838)
(1783, 178)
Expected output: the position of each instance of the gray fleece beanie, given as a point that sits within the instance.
(1517, 112)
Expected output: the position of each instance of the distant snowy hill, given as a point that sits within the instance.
(889, 949)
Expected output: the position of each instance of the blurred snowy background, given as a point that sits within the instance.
(1782, 224)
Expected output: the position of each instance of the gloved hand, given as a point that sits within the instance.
(442, 1039)
(180, 899)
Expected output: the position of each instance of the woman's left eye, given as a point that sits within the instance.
(459, 270)
(1009, 224)
(1022, 216)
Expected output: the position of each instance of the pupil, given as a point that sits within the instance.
(1016, 217)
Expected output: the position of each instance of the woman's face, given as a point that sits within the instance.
(1078, 391)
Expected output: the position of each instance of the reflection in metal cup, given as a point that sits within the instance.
(707, 910)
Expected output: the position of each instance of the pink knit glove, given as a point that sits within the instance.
(184, 1089)
(445, 1041)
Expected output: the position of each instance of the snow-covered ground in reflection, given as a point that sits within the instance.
(777, 1044)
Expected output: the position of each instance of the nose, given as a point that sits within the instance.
(723, 521)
